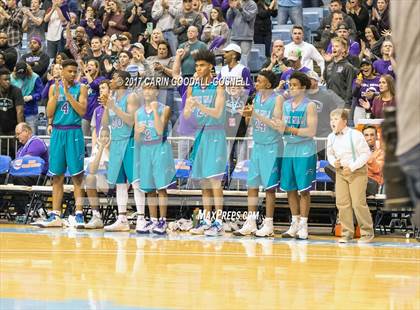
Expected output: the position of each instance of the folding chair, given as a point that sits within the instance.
(27, 166)
(4, 176)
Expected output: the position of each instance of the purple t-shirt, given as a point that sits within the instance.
(372, 84)
(383, 67)
(35, 147)
(354, 48)
(288, 73)
(93, 95)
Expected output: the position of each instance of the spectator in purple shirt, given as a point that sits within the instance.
(33, 146)
(92, 25)
(92, 80)
(295, 60)
(343, 31)
(365, 88)
(387, 64)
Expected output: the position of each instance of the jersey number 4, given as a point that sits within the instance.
(65, 108)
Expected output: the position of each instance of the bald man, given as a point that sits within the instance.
(277, 62)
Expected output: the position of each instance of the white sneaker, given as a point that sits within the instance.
(267, 230)
(249, 228)
(200, 228)
(119, 225)
(160, 227)
(302, 232)
(216, 229)
(75, 221)
(53, 220)
(95, 223)
(141, 223)
(292, 231)
(147, 228)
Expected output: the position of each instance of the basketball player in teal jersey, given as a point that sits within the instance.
(265, 162)
(205, 100)
(156, 168)
(121, 109)
(67, 101)
(299, 157)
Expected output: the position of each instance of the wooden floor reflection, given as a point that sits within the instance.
(183, 272)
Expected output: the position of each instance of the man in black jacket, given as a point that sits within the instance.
(11, 109)
(37, 59)
(339, 74)
(10, 53)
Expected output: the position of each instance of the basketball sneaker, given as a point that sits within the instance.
(365, 239)
(160, 227)
(249, 228)
(121, 224)
(200, 228)
(302, 232)
(267, 230)
(95, 223)
(292, 231)
(216, 229)
(147, 228)
(140, 224)
(53, 220)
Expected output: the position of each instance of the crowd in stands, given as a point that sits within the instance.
(348, 60)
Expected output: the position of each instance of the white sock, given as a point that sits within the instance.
(96, 213)
(162, 219)
(122, 198)
(304, 220)
(295, 218)
(140, 200)
(58, 213)
(154, 219)
(79, 212)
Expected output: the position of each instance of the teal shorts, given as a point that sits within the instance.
(67, 150)
(265, 165)
(298, 170)
(121, 158)
(209, 155)
(156, 166)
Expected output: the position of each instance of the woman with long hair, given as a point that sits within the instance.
(92, 78)
(31, 86)
(216, 31)
(380, 16)
(386, 97)
(92, 25)
(371, 44)
(113, 21)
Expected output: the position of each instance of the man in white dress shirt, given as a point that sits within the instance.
(348, 152)
(309, 52)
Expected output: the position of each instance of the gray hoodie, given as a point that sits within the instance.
(242, 21)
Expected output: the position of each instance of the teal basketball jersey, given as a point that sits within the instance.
(64, 114)
(149, 134)
(261, 133)
(296, 118)
(119, 129)
(207, 96)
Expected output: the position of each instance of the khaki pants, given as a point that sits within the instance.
(351, 196)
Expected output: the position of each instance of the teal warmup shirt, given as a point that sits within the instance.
(295, 118)
(150, 134)
(119, 129)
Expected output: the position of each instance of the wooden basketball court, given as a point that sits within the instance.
(70, 269)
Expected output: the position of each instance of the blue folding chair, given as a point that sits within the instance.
(321, 176)
(27, 166)
(4, 167)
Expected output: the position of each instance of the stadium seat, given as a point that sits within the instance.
(311, 20)
(256, 60)
(282, 32)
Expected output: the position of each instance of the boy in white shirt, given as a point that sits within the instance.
(348, 152)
